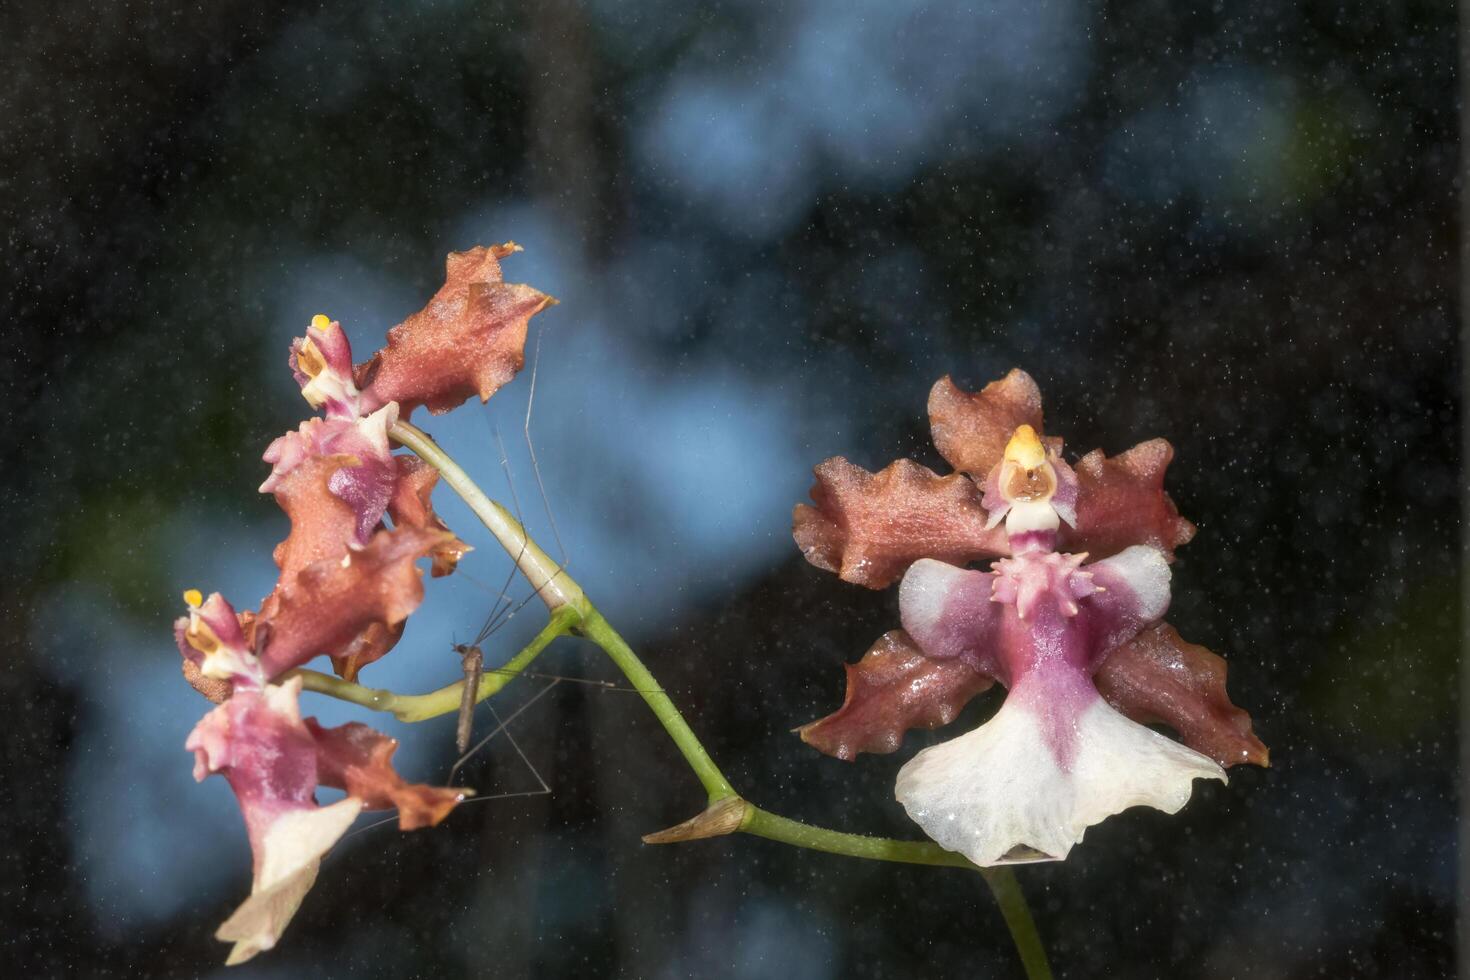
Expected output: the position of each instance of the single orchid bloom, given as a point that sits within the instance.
(1068, 617)
(337, 479)
(274, 761)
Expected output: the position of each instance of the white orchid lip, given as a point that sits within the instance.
(1056, 758)
(1001, 789)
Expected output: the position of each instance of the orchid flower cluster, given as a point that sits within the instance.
(348, 582)
(1068, 617)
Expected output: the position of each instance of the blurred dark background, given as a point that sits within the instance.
(771, 228)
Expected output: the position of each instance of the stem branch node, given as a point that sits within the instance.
(723, 817)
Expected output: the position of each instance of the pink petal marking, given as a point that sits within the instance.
(258, 742)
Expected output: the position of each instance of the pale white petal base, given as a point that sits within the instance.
(292, 852)
(1000, 786)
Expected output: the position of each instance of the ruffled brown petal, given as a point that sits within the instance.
(971, 430)
(1121, 502)
(468, 341)
(1158, 678)
(411, 507)
(326, 607)
(322, 523)
(358, 759)
(892, 689)
(869, 527)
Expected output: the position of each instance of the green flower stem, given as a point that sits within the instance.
(572, 612)
(1013, 908)
(335, 687)
(763, 824)
(1001, 881)
(600, 631)
(549, 579)
(421, 707)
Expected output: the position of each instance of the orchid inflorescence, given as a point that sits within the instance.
(1068, 618)
(347, 583)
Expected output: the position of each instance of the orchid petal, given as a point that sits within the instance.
(894, 688)
(869, 527)
(1158, 677)
(949, 614)
(359, 759)
(410, 507)
(1002, 787)
(257, 740)
(326, 607)
(1121, 502)
(468, 340)
(971, 430)
(1132, 592)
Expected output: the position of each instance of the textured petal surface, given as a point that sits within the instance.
(869, 527)
(1160, 678)
(894, 688)
(469, 340)
(1121, 502)
(322, 523)
(331, 602)
(358, 759)
(971, 429)
(1000, 787)
(411, 507)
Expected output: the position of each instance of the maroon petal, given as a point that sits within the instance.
(1121, 502)
(1158, 678)
(892, 689)
(869, 527)
(971, 430)
(326, 607)
(411, 507)
(358, 759)
(322, 523)
(468, 340)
